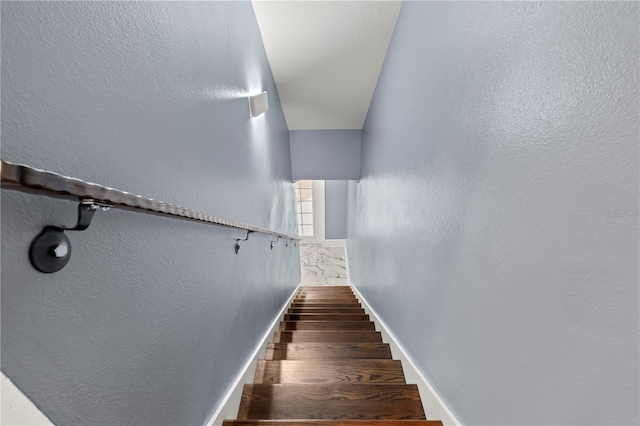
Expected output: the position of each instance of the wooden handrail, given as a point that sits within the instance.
(23, 178)
(27, 179)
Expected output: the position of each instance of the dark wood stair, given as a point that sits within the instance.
(326, 317)
(335, 401)
(307, 325)
(325, 422)
(321, 310)
(328, 366)
(327, 336)
(315, 303)
(330, 301)
(329, 371)
(327, 350)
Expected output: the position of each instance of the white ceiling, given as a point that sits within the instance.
(326, 57)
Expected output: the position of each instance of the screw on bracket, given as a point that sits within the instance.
(50, 251)
(273, 243)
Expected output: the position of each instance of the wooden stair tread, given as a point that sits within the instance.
(325, 293)
(350, 305)
(327, 336)
(327, 422)
(333, 302)
(329, 371)
(322, 310)
(327, 325)
(326, 317)
(324, 297)
(322, 287)
(321, 293)
(326, 305)
(334, 401)
(327, 350)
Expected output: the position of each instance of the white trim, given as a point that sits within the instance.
(334, 243)
(17, 409)
(346, 264)
(434, 406)
(228, 408)
(343, 244)
(318, 195)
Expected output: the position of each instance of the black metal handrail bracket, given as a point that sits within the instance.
(50, 251)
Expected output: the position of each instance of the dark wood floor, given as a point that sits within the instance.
(327, 365)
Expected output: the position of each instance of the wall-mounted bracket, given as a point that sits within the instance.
(246, 238)
(50, 251)
(238, 245)
(273, 243)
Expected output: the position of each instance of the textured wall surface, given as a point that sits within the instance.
(152, 318)
(495, 228)
(325, 154)
(335, 205)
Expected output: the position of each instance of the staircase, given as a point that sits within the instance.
(328, 366)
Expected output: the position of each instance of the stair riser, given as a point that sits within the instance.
(324, 287)
(327, 325)
(326, 317)
(329, 372)
(326, 305)
(309, 310)
(327, 336)
(375, 401)
(326, 296)
(332, 422)
(327, 351)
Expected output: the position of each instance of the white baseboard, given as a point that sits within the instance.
(17, 409)
(334, 243)
(228, 408)
(324, 243)
(434, 406)
(346, 263)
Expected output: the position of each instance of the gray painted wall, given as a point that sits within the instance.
(335, 205)
(325, 154)
(495, 228)
(152, 318)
